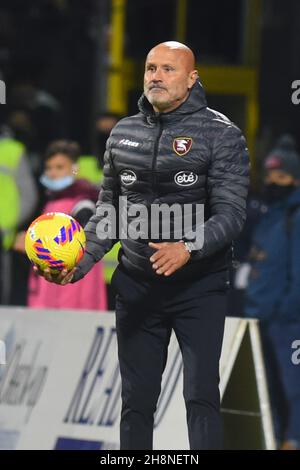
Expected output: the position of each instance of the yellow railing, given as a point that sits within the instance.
(116, 91)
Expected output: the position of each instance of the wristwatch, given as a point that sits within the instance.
(189, 246)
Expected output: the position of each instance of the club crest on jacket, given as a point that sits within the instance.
(182, 145)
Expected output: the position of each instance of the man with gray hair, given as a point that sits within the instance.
(174, 151)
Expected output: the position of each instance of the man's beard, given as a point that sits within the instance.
(158, 102)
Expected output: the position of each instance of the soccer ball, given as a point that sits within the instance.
(56, 241)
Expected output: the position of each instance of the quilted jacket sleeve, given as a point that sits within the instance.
(102, 222)
(227, 185)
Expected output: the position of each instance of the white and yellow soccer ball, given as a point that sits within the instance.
(55, 240)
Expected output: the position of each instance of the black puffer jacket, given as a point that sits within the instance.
(190, 155)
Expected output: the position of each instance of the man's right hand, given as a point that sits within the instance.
(63, 278)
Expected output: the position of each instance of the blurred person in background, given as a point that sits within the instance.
(273, 292)
(105, 122)
(20, 121)
(90, 167)
(239, 273)
(18, 199)
(76, 197)
(36, 117)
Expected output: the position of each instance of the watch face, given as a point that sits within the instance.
(189, 246)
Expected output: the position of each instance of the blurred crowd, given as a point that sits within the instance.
(59, 179)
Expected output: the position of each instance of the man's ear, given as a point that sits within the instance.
(193, 78)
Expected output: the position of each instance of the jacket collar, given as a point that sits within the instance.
(195, 101)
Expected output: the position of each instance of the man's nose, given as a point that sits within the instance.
(156, 76)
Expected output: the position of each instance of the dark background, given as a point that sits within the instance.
(53, 45)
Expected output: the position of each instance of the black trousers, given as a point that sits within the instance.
(146, 313)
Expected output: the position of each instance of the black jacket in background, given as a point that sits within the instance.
(143, 146)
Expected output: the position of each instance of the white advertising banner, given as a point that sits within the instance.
(61, 388)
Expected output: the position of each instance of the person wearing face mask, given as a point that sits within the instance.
(76, 197)
(105, 122)
(273, 292)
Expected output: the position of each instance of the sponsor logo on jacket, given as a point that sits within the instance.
(128, 177)
(182, 145)
(185, 178)
(128, 142)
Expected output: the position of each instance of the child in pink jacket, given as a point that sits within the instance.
(77, 198)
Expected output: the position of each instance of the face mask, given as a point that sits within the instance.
(58, 184)
(275, 193)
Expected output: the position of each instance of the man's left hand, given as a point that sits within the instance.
(169, 257)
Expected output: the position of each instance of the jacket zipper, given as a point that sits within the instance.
(155, 152)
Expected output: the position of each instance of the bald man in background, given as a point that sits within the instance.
(174, 151)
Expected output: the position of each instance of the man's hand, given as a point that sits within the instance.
(63, 278)
(169, 257)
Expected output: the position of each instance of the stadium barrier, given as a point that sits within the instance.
(60, 387)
